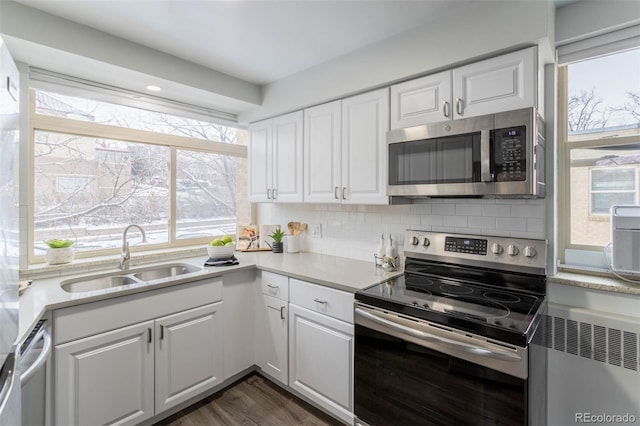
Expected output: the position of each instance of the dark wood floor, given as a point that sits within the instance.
(252, 401)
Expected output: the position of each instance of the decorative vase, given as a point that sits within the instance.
(277, 247)
(57, 256)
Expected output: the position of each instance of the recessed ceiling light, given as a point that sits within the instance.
(154, 88)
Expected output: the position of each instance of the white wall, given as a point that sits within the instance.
(353, 231)
(478, 30)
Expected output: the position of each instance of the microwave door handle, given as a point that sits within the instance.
(485, 156)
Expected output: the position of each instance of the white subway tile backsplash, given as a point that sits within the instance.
(443, 209)
(431, 220)
(354, 230)
(456, 221)
(511, 223)
(468, 210)
(496, 210)
(411, 219)
(482, 222)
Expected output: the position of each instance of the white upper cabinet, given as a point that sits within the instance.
(345, 150)
(498, 84)
(322, 153)
(495, 85)
(365, 122)
(421, 101)
(275, 159)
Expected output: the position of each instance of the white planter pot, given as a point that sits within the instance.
(57, 256)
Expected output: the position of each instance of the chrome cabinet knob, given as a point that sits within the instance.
(414, 241)
(512, 250)
(426, 242)
(530, 251)
(496, 248)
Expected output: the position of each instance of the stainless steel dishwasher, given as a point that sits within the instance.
(34, 356)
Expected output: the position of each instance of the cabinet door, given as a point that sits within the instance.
(365, 122)
(271, 337)
(259, 161)
(287, 158)
(106, 378)
(321, 360)
(421, 101)
(239, 323)
(188, 354)
(322, 168)
(498, 84)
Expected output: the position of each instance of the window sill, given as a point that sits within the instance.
(593, 278)
(95, 264)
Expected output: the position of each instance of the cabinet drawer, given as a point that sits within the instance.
(275, 285)
(328, 301)
(97, 317)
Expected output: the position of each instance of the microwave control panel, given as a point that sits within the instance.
(510, 154)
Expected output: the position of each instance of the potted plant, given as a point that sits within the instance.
(277, 236)
(59, 251)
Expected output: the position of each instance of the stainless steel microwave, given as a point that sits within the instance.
(496, 155)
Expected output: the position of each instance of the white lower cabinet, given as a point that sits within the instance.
(106, 378)
(321, 349)
(110, 372)
(271, 325)
(272, 337)
(188, 357)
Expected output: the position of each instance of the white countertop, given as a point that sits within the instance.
(336, 272)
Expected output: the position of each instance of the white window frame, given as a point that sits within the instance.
(40, 122)
(565, 146)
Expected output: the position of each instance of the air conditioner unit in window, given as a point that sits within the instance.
(625, 238)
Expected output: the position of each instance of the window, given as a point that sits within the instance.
(599, 132)
(612, 186)
(98, 167)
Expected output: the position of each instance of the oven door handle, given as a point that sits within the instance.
(432, 338)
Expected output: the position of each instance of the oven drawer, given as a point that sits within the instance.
(335, 303)
(275, 285)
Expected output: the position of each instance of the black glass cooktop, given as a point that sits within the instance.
(506, 315)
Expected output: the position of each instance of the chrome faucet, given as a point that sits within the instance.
(126, 255)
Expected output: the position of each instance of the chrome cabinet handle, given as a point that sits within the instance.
(445, 108)
(282, 312)
(273, 287)
(335, 193)
(324, 302)
(459, 106)
(344, 192)
(149, 334)
(268, 193)
(427, 337)
(275, 193)
(161, 332)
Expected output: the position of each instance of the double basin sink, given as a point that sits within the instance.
(134, 276)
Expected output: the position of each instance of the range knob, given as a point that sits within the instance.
(530, 251)
(414, 241)
(426, 242)
(512, 250)
(496, 248)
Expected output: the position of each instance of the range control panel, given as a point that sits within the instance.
(487, 251)
(465, 245)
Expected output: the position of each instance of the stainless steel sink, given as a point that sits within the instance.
(165, 272)
(134, 276)
(98, 283)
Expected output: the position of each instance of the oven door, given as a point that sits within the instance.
(443, 159)
(415, 372)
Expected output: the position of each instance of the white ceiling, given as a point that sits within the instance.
(257, 41)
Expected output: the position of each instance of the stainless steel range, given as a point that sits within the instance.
(452, 341)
